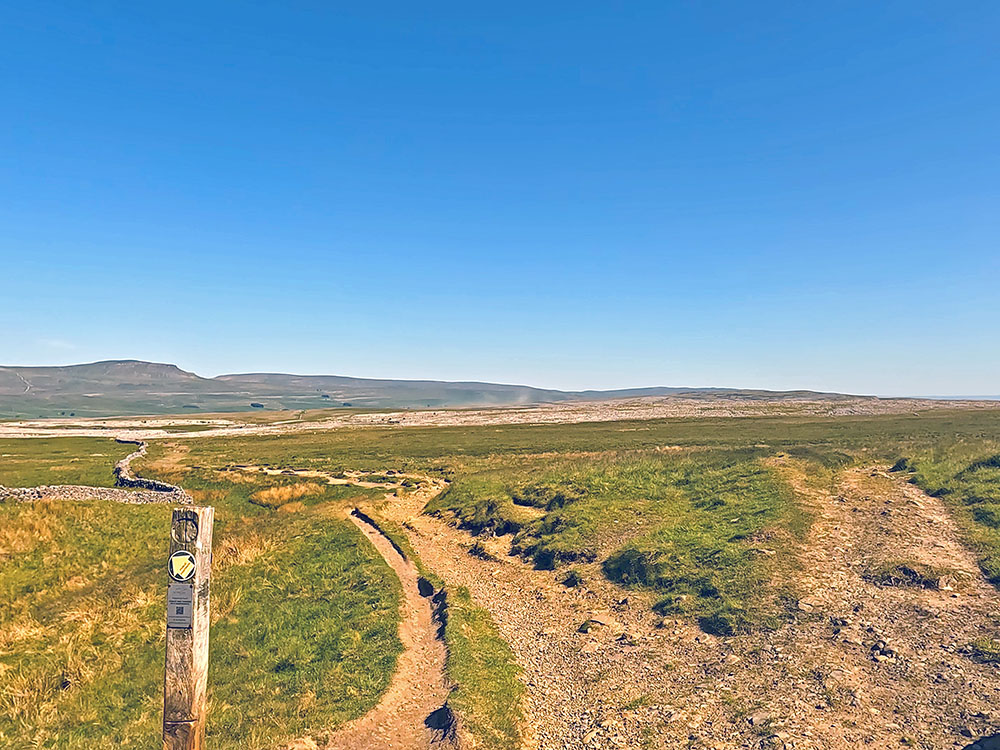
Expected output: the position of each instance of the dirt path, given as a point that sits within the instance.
(858, 665)
(579, 684)
(418, 689)
(392, 480)
(875, 665)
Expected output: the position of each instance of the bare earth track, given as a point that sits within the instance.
(399, 721)
(858, 665)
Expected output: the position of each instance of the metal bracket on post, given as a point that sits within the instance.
(189, 572)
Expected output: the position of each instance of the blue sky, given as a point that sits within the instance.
(570, 195)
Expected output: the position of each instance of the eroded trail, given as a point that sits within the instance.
(858, 665)
(872, 662)
(579, 685)
(418, 689)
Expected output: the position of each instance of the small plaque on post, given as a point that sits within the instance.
(180, 605)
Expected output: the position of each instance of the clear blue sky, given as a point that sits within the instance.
(776, 194)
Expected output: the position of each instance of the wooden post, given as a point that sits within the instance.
(189, 571)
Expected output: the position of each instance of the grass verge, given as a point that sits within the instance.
(704, 529)
(966, 475)
(489, 693)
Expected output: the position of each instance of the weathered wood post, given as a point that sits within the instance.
(189, 571)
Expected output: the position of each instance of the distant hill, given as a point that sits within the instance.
(134, 387)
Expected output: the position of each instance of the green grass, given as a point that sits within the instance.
(27, 462)
(205, 472)
(707, 556)
(304, 634)
(489, 692)
(687, 522)
(687, 525)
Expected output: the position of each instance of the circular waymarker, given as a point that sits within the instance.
(181, 566)
(185, 531)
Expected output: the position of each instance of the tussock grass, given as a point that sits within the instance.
(274, 497)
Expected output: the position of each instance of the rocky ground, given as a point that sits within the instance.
(654, 407)
(860, 664)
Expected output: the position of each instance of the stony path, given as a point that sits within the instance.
(578, 683)
(858, 665)
(884, 665)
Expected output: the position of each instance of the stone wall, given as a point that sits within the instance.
(131, 489)
(125, 478)
(74, 492)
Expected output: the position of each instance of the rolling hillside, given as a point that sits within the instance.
(133, 387)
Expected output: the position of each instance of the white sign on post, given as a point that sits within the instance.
(180, 605)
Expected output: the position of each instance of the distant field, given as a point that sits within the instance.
(70, 460)
(645, 461)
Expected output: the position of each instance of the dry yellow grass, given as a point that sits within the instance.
(277, 496)
(237, 477)
(23, 629)
(241, 550)
(170, 466)
(92, 645)
(208, 496)
(34, 527)
(224, 603)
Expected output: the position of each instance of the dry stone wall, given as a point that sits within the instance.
(131, 489)
(75, 492)
(125, 478)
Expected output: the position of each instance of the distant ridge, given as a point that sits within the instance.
(134, 387)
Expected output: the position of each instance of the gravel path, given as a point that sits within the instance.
(858, 665)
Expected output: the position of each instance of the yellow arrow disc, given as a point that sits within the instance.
(181, 565)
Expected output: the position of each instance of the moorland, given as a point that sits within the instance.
(810, 579)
